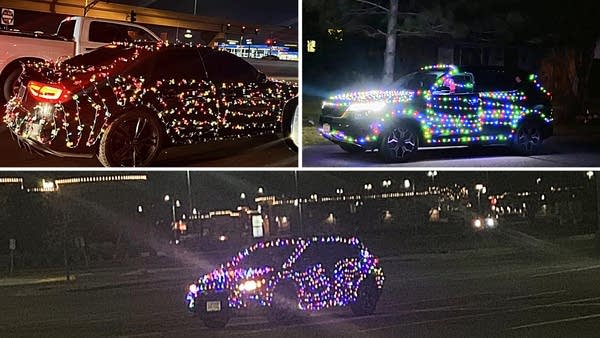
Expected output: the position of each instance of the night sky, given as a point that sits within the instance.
(270, 12)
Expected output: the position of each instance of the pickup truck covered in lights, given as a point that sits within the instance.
(287, 276)
(441, 105)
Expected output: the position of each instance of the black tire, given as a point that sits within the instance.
(529, 138)
(399, 143)
(284, 305)
(291, 124)
(9, 87)
(352, 148)
(134, 139)
(368, 296)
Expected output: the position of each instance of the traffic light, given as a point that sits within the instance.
(243, 29)
(132, 17)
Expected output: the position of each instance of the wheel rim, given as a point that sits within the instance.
(529, 138)
(401, 142)
(134, 142)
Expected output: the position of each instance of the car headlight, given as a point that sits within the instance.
(367, 106)
(477, 223)
(490, 222)
(250, 285)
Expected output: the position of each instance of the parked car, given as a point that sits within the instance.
(125, 102)
(441, 105)
(75, 35)
(285, 277)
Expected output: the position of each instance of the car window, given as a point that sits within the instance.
(66, 29)
(274, 256)
(101, 56)
(463, 83)
(162, 65)
(226, 67)
(326, 254)
(416, 81)
(496, 80)
(108, 32)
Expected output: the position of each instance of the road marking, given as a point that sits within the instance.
(534, 295)
(592, 267)
(572, 319)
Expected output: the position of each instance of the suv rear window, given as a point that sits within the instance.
(108, 32)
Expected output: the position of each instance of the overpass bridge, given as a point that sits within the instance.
(212, 28)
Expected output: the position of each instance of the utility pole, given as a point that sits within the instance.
(597, 237)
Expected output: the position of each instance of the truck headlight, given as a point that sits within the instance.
(376, 106)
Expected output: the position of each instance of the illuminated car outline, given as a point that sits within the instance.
(447, 113)
(341, 290)
(89, 98)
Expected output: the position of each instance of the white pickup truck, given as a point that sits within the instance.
(75, 35)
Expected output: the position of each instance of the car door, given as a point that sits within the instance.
(249, 105)
(176, 86)
(315, 282)
(453, 110)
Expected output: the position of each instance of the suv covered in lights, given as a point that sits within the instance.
(441, 105)
(284, 277)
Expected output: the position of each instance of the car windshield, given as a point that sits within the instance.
(417, 80)
(274, 256)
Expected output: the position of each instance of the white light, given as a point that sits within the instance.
(47, 185)
(261, 190)
(194, 288)
(243, 196)
(590, 174)
(188, 34)
(478, 187)
(167, 198)
(367, 106)
(177, 203)
(477, 223)
(489, 222)
(140, 209)
(249, 285)
(222, 238)
(406, 184)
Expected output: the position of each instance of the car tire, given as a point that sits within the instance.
(528, 138)
(284, 304)
(134, 139)
(8, 87)
(352, 148)
(367, 297)
(290, 126)
(399, 143)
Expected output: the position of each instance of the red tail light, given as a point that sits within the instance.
(52, 93)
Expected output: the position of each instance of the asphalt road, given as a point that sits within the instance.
(558, 151)
(508, 294)
(263, 152)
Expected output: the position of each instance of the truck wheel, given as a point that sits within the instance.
(9, 88)
(399, 143)
(134, 139)
(528, 138)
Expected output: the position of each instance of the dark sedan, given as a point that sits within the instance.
(441, 105)
(125, 102)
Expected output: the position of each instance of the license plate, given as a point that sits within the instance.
(326, 127)
(213, 306)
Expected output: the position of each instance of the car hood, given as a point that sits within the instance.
(225, 278)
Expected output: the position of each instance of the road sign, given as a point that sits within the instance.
(12, 244)
(8, 17)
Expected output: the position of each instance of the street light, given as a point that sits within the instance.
(368, 186)
(243, 196)
(339, 191)
(589, 174)
(386, 183)
(261, 190)
(406, 183)
(175, 203)
(140, 209)
(432, 174)
(480, 188)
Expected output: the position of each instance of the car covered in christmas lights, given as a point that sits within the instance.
(285, 277)
(441, 105)
(125, 102)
